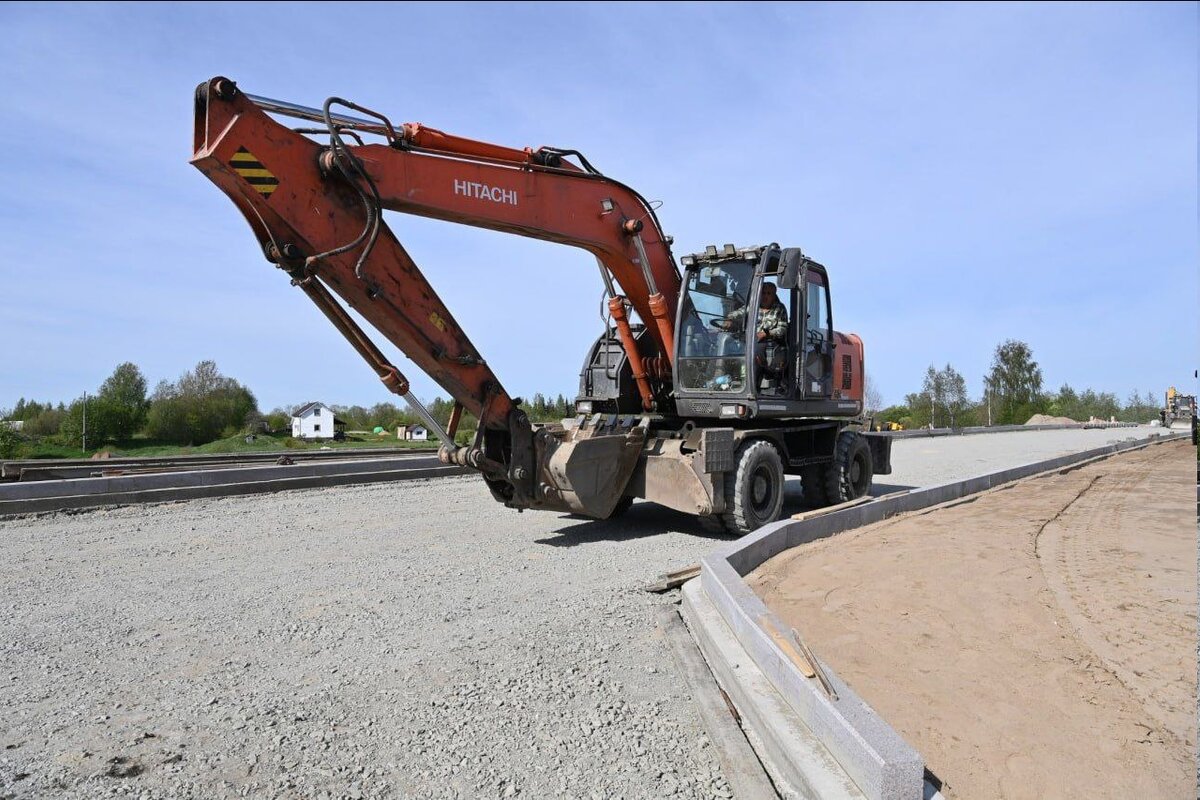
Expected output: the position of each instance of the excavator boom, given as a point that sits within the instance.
(316, 210)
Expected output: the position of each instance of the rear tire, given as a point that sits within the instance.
(849, 476)
(754, 492)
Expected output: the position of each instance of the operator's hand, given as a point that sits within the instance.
(762, 335)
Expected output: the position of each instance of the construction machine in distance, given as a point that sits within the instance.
(1179, 408)
(690, 408)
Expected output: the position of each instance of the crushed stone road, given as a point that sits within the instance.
(404, 640)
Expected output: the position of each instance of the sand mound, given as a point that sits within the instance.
(1046, 419)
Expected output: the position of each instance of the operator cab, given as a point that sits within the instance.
(755, 328)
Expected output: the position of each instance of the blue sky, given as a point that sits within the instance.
(968, 173)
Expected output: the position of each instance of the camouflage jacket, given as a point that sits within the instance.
(771, 321)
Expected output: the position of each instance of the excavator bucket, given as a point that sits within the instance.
(586, 468)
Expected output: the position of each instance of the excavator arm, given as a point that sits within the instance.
(316, 210)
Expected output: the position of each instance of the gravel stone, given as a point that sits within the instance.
(406, 640)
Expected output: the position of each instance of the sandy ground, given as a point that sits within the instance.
(1039, 641)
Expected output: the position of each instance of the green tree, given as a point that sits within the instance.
(122, 399)
(933, 390)
(920, 414)
(47, 423)
(1014, 383)
(280, 419)
(10, 441)
(1067, 404)
(954, 395)
(1139, 409)
(26, 410)
(901, 415)
(201, 406)
(87, 424)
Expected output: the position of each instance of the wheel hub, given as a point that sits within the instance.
(761, 490)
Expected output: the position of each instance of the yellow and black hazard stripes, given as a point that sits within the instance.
(245, 164)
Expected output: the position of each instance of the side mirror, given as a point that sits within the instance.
(791, 260)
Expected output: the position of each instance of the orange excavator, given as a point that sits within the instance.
(706, 387)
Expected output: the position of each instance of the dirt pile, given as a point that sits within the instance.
(1046, 419)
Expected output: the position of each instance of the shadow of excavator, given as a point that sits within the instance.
(644, 519)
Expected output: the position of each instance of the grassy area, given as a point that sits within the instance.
(275, 442)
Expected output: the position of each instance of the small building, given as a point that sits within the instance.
(13, 424)
(413, 433)
(316, 421)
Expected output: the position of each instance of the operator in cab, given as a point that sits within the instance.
(772, 320)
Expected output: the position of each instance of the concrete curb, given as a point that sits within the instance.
(16, 469)
(202, 477)
(872, 754)
(212, 485)
(799, 765)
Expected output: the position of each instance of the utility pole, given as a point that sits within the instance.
(84, 436)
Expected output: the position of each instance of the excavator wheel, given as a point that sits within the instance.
(754, 492)
(849, 476)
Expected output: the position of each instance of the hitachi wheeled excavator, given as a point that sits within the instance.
(686, 399)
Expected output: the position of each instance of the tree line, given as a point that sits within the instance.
(201, 406)
(1012, 393)
(390, 416)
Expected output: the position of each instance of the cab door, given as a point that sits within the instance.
(817, 346)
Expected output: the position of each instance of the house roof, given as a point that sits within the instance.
(302, 410)
(413, 427)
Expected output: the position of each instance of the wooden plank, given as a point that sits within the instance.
(820, 512)
(673, 580)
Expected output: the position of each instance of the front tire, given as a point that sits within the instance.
(849, 476)
(754, 492)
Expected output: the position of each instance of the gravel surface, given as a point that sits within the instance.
(930, 461)
(399, 640)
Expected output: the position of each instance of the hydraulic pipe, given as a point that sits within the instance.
(388, 373)
(430, 423)
(616, 307)
(658, 304)
(317, 115)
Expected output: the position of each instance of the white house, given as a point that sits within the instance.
(315, 421)
(413, 433)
